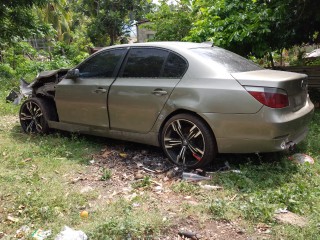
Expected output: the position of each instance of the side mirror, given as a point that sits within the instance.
(73, 74)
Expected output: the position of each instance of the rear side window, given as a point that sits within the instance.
(102, 65)
(175, 66)
(145, 63)
(230, 61)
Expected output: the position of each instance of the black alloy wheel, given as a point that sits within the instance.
(34, 116)
(187, 141)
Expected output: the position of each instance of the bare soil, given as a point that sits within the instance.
(129, 164)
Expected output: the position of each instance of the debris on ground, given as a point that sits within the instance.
(193, 177)
(291, 218)
(189, 235)
(210, 187)
(22, 232)
(139, 171)
(12, 219)
(301, 158)
(84, 214)
(70, 234)
(15, 96)
(41, 234)
(263, 228)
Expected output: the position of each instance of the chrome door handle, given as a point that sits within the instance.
(159, 92)
(100, 90)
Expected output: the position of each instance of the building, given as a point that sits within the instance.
(144, 34)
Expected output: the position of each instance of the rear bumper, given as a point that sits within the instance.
(269, 130)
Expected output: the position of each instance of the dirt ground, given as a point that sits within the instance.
(130, 163)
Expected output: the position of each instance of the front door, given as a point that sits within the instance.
(84, 100)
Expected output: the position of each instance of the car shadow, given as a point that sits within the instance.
(242, 171)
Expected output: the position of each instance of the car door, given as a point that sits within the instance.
(145, 83)
(84, 100)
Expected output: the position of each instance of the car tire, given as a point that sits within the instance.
(34, 115)
(188, 142)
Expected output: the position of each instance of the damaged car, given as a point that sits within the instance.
(192, 99)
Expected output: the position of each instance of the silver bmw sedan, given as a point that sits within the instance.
(192, 99)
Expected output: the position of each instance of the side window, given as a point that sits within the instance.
(144, 62)
(102, 65)
(175, 66)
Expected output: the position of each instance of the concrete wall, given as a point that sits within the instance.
(144, 34)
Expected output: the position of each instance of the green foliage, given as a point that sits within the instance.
(142, 183)
(246, 27)
(21, 60)
(74, 52)
(58, 15)
(108, 19)
(185, 187)
(128, 224)
(240, 26)
(218, 208)
(106, 174)
(171, 22)
(6, 71)
(17, 20)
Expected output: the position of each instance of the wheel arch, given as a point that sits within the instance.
(185, 111)
(50, 102)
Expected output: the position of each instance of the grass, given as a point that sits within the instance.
(35, 173)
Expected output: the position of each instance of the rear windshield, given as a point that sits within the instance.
(230, 61)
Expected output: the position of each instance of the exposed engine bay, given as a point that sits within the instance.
(43, 86)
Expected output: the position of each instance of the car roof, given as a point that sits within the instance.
(168, 44)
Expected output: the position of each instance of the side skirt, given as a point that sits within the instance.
(150, 138)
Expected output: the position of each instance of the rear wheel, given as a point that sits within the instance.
(188, 141)
(34, 115)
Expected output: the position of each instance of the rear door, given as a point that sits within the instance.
(84, 100)
(144, 85)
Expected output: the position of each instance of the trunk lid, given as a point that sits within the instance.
(295, 84)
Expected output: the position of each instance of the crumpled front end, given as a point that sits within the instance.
(43, 85)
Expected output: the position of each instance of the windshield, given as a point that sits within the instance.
(230, 61)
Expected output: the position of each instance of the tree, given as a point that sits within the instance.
(18, 21)
(255, 27)
(109, 18)
(57, 14)
(171, 22)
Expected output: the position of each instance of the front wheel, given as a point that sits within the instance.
(187, 141)
(34, 115)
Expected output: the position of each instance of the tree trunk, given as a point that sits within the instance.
(281, 56)
(271, 60)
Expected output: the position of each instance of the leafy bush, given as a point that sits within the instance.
(21, 60)
(6, 71)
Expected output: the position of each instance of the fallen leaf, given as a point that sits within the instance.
(106, 154)
(12, 219)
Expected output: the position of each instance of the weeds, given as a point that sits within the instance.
(142, 183)
(106, 174)
(128, 223)
(185, 187)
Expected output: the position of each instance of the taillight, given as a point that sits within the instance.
(271, 97)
